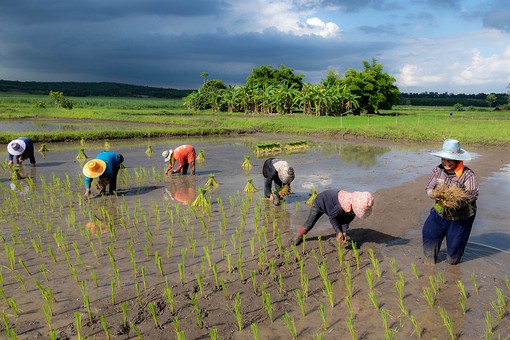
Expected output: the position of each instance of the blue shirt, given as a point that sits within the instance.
(112, 161)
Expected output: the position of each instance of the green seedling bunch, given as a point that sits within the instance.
(322, 311)
(291, 326)
(237, 311)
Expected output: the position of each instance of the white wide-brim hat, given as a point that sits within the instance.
(94, 168)
(16, 147)
(451, 150)
(167, 154)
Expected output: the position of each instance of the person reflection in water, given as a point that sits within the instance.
(181, 189)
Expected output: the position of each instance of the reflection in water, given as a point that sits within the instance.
(181, 189)
(365, 154)
(104, 216)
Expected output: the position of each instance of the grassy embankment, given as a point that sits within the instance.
(159, 118)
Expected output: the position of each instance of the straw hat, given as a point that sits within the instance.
(358, 202)
(94, 168)
(16, 147)
(167, 154)
(451, 150)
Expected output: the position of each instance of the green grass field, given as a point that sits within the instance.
(161, 117)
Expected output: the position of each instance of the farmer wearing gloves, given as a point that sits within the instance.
(277, 171)
(20, 149)
(106, 166)
(185, 155)
(341, 207)
(454, 188)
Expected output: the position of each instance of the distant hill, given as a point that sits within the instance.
(76, 89)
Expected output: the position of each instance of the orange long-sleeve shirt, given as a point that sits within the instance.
(184, 154)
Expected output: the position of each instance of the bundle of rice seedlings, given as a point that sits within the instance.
(268, 148)
(201, 200)
(247, 163)
(311, 199)
(449, 197)
(106, 145)
(149, 151)
(249, 186)
(200, 157)
(302, 144)
(43, 148)
(211, 182)
(284, 191)
(82, 141)
(81, 154)
(15, 174)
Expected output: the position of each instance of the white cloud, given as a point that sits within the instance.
(413, 75)
(483, 70)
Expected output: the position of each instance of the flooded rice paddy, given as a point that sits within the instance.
(150, 264)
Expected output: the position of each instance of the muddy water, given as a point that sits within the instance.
(151, 205)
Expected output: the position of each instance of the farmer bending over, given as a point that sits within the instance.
(20, 149)
(185, 155)
(105, 167)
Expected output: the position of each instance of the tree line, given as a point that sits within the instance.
(88, 89)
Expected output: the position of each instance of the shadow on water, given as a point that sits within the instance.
(133, 191)
(362, 235)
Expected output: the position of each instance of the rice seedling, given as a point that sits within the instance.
(415, 270)
(433, 285)
(356, 253)
(370, 281)
(24, 266)
(373, 298)
(150, 151)
(447, 322)
(322, 311)
(48, 315)
(105, 327)
(462, 289)
(240, 268)
(488, 325)
(349, 286)
(21, 281)
(318, 336)
(180, 267)
(462, 303)
(138, 294)
(349, 307)
(153, 313)
(475, 284)
(300, 301)
(429, 296)
(499, 305)
(329, 292)
(268, 305)
(125, 307)
(255, 331)
(213, 334)
(253, 275)
(211, 182)
(417, 329)
(77, 322)
(393, 264)
(291, 326)
(507, 282)
(280, 283)
(136, 330)
(237, 311)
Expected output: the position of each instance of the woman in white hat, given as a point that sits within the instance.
(105, 167)
(20, 149)
(341, 207)
(450, 221)
(185, 155)
(277, 171)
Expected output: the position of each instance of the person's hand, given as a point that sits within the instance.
(341, 237)
(10, 163)
(174, 171)
(271, 198)
(87, 193)
(166, 171)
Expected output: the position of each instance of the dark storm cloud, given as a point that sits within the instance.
(32, 12)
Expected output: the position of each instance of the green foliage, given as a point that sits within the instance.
(208, 96)
(374, 88)
(60, 100)
(264, 76)
(40, 104)
(458, 107)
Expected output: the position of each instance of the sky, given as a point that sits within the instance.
(454, 46)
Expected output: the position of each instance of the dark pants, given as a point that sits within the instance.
(436, 228)
(113, 180)
(185, 166)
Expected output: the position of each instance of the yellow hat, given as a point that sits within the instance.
(94, 168)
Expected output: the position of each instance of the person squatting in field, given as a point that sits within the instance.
(341, 207)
